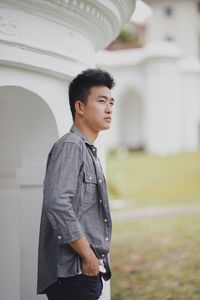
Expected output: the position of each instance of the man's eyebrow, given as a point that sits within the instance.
(105, 97)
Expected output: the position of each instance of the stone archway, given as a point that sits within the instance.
(27, 131)
(131, 121)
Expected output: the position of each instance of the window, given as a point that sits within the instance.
(169, 38)
(198, 6)
(168, 11)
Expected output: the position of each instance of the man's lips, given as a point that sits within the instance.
(108, 118)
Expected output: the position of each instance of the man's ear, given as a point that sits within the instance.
(79, 107)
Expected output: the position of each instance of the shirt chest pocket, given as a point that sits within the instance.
(90, 184)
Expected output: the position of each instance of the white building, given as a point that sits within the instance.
(158, 86)
(43, 44)
(177, 21)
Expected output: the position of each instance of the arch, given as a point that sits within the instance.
(27, 131)
(131, 117)
(25, 120)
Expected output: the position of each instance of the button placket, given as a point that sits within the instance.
(103, 205)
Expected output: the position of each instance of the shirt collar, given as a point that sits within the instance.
(77, 130)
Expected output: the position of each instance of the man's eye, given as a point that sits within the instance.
(101, 100)
(111, 103)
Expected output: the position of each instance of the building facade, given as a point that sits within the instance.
(158, 90)
(177, 21)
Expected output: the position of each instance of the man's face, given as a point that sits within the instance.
(98, 109)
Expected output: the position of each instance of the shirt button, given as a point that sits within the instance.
(100, 180)
(102, 255)
(106, 238)
(59, 237)
(100, 200)
(105, 220)
(90, 177)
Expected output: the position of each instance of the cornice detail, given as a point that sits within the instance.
(58, 34)
(100, 20)
(8, 22)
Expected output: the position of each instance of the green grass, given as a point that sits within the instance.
(156, 259)
(145, 180)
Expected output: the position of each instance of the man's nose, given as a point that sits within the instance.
(108, 108)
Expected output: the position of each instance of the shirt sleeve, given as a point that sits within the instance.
(60, 185)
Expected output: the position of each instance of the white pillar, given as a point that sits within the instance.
(190, 91)
(162, 100)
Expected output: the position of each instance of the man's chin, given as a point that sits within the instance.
(105, 127)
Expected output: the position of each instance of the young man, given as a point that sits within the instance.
(75, 228)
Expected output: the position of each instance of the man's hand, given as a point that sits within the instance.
(90, 266)
(90, 263)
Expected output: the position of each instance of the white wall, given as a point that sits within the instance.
(26, 119)
(10, 243)
(131, 120)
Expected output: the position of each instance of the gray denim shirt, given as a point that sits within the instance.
(75, 204)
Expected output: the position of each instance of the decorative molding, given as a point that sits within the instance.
(79, 26)
(33, 49)
(99, 21)
(8, 22)
(76, 5)
(126, 8)
(91, 19)
(40, 60)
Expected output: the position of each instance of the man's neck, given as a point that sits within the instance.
(91, 135)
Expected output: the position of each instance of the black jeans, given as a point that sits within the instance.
(80, 287)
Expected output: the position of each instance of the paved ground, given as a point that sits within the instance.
(155, 212)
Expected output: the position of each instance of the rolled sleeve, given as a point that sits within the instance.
(60, 187)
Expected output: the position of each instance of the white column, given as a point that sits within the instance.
(162, 100)
(190, 91)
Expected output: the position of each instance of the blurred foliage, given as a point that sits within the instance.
(130, 36)
(127, 36)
